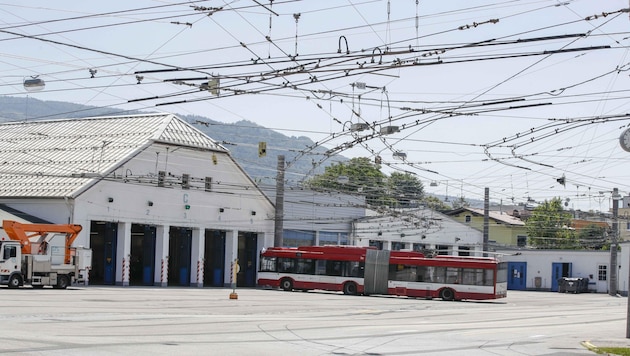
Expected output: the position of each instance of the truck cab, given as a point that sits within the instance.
(10, 264)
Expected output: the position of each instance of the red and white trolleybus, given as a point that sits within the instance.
(366, 270)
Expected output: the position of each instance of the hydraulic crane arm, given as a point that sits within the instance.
(24, 232)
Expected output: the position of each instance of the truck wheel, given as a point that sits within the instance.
(15, 281)
(62, 282)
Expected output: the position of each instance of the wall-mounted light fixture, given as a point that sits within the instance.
(110, 199)
(457, 239)
(150, 203)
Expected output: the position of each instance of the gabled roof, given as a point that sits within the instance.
(55, 158)
(581, 224)
(494, 215)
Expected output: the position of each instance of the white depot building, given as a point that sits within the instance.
(418, 229)
(160, 202)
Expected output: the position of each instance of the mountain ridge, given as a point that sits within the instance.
(240, 138)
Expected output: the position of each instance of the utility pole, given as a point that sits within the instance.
(612, 289)
(486, 220)
(279, 218)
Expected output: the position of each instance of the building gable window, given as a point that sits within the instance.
(468, 218)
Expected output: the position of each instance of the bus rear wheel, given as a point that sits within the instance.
(350, 288)
(447, 294)
(286, 285)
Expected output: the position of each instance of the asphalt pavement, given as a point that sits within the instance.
(154, 321)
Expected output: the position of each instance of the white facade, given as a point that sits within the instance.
(162, 172)
(316, 218)
(539, 273)
(419, 229)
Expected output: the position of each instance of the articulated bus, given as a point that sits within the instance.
(367, 270)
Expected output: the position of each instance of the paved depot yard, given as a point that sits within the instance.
(187, 321)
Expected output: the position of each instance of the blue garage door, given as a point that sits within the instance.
(517, 275)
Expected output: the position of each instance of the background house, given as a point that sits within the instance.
(503, 229)
(314, 218)
(418, 229)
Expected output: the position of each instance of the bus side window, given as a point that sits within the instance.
(320, 267)
(333, 268)
(423, 274)
(268, 264)
(439, 274)
(353, 269)
(453, 275)
(286, 265)
(305, 266)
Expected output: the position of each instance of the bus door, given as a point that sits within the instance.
(376, 271)
(559, 270)
(517, 275)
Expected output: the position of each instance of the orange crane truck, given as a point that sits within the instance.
(42, 255)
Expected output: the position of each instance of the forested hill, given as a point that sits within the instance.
(241, 138)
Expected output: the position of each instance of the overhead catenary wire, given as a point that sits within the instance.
(365, 99)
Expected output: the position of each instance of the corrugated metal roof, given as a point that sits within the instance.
(56, 157)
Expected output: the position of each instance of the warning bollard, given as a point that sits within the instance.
(234, 269)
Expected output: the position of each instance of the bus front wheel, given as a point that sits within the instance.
(447, 294)
(286, 285)
(350, 288)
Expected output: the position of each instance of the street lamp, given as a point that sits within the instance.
(34, 83)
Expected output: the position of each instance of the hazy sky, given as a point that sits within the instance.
(509, 95)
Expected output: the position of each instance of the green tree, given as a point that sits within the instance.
(593, 237)
(406, 189)
(435, 203)
(358, 175)
(460, 202)
(548, 227)
(362, 176)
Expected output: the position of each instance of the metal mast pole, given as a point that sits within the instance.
(279, 217)
(612, 290)
(486, 220)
